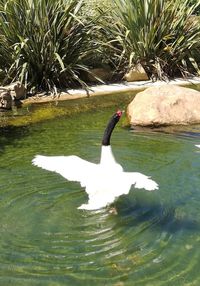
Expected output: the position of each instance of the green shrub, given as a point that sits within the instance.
(43, 42)
(195, 2)
(161, 35)
(48, 44)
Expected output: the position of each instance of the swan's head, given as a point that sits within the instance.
(118, 115)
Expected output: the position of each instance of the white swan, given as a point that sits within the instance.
(103, 182)
(197, 146)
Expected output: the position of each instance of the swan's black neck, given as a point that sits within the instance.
(109, 129)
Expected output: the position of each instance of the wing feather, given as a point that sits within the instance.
(141, 181)
(72, 168)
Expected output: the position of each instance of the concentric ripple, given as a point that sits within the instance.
(149, 238)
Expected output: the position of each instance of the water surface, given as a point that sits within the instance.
(154, 237)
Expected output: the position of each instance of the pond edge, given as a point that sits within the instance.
(107, 89)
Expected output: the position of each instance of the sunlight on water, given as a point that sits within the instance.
(154, 237)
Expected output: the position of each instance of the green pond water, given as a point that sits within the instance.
(153, 239)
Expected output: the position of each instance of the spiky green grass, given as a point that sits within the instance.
(161, 35)
(43, 42)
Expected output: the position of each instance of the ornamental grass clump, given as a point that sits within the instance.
(163, 36)
(43, 43)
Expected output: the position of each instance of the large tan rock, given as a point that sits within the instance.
(165, 105)
(137, 73)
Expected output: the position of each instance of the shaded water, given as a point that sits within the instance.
(152, 240)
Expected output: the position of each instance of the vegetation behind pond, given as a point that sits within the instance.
(50, 44)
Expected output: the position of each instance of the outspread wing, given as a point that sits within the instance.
(72, 168)
(141, 181)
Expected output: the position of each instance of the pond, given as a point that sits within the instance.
(153, 238)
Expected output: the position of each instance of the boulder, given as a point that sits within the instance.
(102, 74)
(18, 90)
(137, 73)
(11, 94)
(165, 105)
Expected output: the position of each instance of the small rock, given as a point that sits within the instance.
(5, 100)
(18, 90)
(10, 95)
(137, 73)
(104, 74)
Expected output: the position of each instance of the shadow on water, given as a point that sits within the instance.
(10, 135)
(159, 216)
(178, 131)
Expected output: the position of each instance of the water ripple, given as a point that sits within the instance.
(150, 238)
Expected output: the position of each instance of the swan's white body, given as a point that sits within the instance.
(103, 182)
(197, 146)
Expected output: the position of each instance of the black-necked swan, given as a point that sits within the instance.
(103, 182)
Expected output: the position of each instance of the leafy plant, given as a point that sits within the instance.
(195, 2)
(161, 35)
(43, 42)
